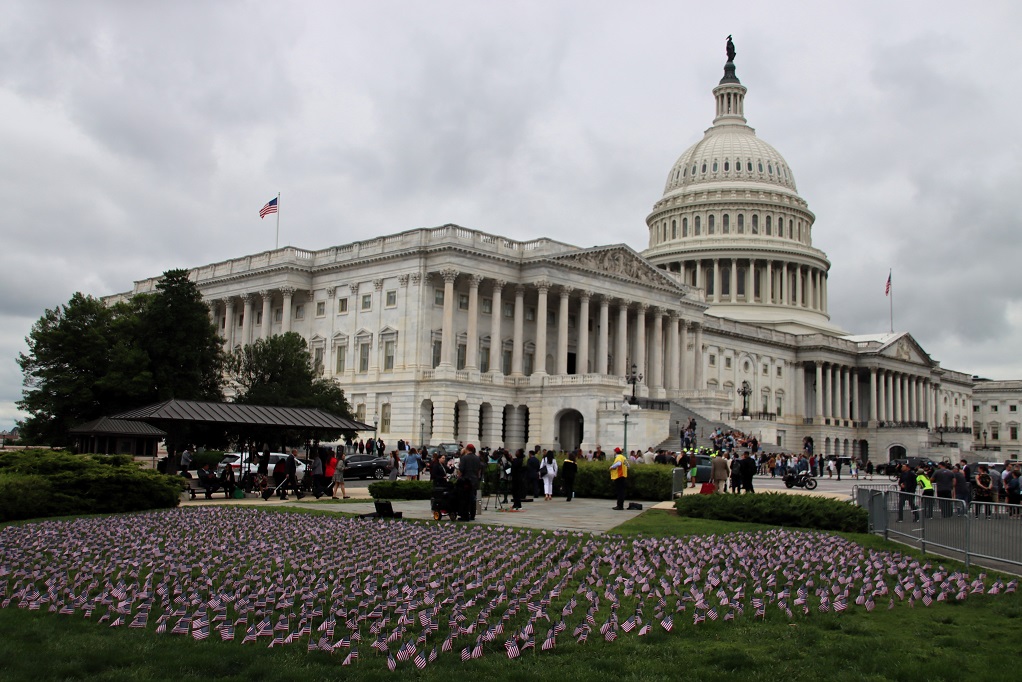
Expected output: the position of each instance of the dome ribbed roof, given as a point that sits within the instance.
(730, 153)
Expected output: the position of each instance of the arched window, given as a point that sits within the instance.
(684, 227)
(750, 165)
(704, 166)
(768, 226)
(698, 226)
(770, 168)
(741, 223)
(714, 165)
(760, 166)
(791, 229)
(693, 169)
(755, 223)
(674, 229)
(684, 172)
(727, 165)
(725, 280)
(727, 223)
(710, 224)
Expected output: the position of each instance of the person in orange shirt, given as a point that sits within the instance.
(619, 476)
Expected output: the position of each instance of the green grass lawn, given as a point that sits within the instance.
(974, 640)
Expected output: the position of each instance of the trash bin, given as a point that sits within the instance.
(680, 480)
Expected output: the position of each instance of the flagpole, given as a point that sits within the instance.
(277, 245)
(889, 272)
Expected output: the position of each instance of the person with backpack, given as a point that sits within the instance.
(548, 470)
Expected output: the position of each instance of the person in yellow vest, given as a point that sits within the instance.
(924, 484)
(619, 476)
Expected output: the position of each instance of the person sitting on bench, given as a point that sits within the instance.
(208, 480)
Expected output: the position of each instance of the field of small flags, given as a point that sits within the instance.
(404, 595)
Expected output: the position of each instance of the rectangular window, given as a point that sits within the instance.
(572, 322)
(505, 361)
(1013, 432)
(363, 357)
(994, 431)
(436, 354)
(487, 306)
(551, 318)
(278, 314)
(779, 405)
(391, 299)
(975, 408)
(530, 314)
(320, 308)
(317, 358)
(713, 360)
(779, 372)
(342, 305)
(461, 356)
(300, 312)
(727, 363)
(388, 355)
(509, 310)
(462, 301)
(385, 418)
(259, 317)
(1012, 408)
(438, 297)
(766, 403)
(993, 408)
(241, 320)
(360, 412)
(342, 356)
(527, 364)
(766, 372)
(367, 301)
(484, 360)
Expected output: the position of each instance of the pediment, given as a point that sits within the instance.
(905, 348)
(621, 262)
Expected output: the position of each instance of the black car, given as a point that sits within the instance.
(893, 468)
(366, 466)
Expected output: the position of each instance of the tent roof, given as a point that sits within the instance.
(234, 414)
(118, 427)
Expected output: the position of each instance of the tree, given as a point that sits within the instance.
(87, 360)
(278, 372)
(185, 352)
(79, 367)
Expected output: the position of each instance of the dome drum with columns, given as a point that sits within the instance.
(450, 333)
(731, 222)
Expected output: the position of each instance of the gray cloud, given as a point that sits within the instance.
(138, 137)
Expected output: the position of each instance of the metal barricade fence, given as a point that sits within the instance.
(977, 530)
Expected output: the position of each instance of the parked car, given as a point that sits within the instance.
(893, 468)
(234, 459)
(366, 466)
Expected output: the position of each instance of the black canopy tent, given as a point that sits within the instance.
(183, 413)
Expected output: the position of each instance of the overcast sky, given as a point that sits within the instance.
(136, 137)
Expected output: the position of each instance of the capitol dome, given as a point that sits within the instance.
(731, 223)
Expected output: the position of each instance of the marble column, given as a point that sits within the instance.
(539, 366)
(640, 341)
(656, 363)
(562, 333)
(685, 369)
(716, 280)
(447, 329)
(267, 323)
(819, 390)
(768, 294)
(799, 294)
(873, 416)
(472, 342)
(496, 315)
(698, 353)
(673, 352)
(229, 323)
(621, 353)
(518, 342)
(733, 294)
(896, 397)
(854, 377)
(882, 395)
(582, 352)
(603, 340)
(288, 294)
(246, 319)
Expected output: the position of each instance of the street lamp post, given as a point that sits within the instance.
(625, 409)
(634, 377)
(745, 391)
(940, 434)
(984, 439)
(422, 432)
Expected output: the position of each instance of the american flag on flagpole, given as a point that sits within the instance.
(887, 289)
(270, 207)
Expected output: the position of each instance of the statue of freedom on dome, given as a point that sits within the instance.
(730, 50)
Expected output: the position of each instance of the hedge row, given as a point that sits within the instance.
(777, 509)
(36, 483)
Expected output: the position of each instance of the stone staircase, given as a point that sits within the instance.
(704, 427)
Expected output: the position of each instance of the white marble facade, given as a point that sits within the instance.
(450, 333)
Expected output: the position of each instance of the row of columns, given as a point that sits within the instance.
(783, 283)
(247, 336)
(893, 395)
(662, 368)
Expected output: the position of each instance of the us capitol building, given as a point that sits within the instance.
(449, 333)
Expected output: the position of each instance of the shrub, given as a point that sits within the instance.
(211, 457)
(401, 490)
(645, 481)
(778, 509)
(80, 484)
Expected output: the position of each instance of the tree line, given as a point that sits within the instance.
(87, 360)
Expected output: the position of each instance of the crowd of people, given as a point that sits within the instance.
(979, 487)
